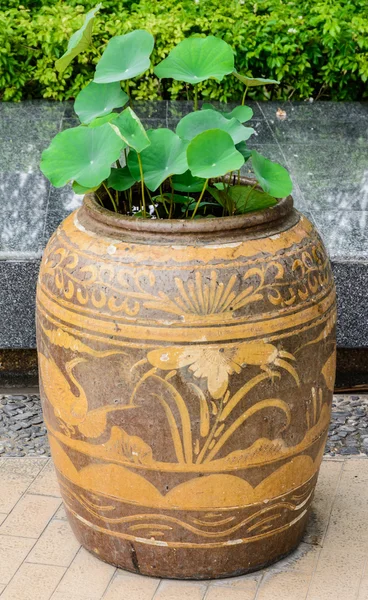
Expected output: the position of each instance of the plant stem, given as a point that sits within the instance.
(163, 200)
(126, 156)
(199, 199)
(130, 200)
(195, 97)
(110, 196)
(171, 198)
(142, 184)
(127, 92)
(99, 199)
(238, 176)
(244, 95)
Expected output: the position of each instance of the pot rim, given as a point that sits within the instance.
(252, 219)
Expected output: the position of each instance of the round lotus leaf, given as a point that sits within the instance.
(81, 189)
(165, 156)
(241, 113)
(97, 100)
(197, 59)
(80, 40)
(213, 154)
(273, 178)
(130, 129)
(254, 81)
(102, 120)
(81, 153)
(246, 199)
(125, 56)
(187, 183)
(199, 121)
(120, 179)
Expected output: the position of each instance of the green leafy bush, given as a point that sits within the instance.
(314, 48)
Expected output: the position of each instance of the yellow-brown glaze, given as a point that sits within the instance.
(186, 386)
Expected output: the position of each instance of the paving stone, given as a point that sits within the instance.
(30, 516)
(86, 579)
(37, 581)
(137, 586)
(13, 550)
(56, 546)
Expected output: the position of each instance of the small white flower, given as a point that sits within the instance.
(300, 17)
(292, 30)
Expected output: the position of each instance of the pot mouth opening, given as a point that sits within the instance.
(103, 215)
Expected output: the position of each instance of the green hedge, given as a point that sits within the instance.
(315, 48)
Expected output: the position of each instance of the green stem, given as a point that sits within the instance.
(229, 181)
(238, 176)
(163, 200)
(127, 92)
(171, 199)
(244, 95)
(99, 199)
(142, 184)
(110, 196)
(126, 156)
(199, 199)
(195, 97)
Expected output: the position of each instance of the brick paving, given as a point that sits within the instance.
(40, 559)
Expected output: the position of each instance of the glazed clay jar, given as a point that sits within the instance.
(187, 370)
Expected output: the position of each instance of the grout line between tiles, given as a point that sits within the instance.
(35, 541)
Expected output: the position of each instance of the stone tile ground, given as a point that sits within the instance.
(22, 432)
(40, 559)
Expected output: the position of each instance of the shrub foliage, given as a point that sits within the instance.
(315, 48)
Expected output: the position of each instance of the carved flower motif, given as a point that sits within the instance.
(216, 362)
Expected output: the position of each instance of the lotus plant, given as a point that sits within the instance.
(158, 173)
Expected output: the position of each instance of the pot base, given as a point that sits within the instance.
(187, 563)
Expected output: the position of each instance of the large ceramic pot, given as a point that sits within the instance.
(187, 370)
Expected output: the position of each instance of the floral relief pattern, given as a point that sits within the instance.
(123, 290)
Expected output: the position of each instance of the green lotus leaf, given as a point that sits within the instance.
(218, 194)
(252, 81)
(203, 120)
(81, 153)
(102, 120)
(81, 189)
(241, 113)
(96, 100)
(176, 198)
(131, 130)
(165, 156)
(213, 154)
(125, 56)
(246, 200)
(120, 179)
(187, 183)
(197, 59)
(273, 178)
(80, 40)
(242, 148)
